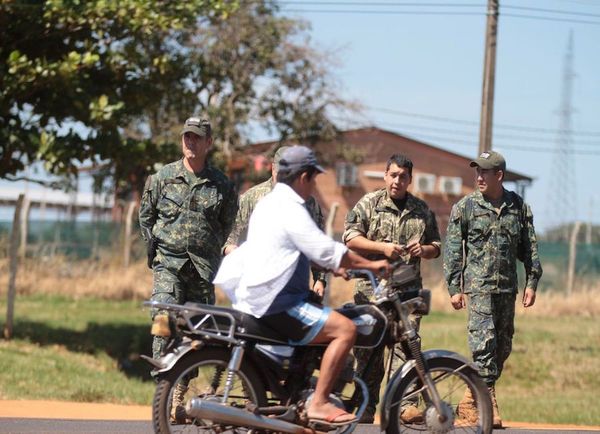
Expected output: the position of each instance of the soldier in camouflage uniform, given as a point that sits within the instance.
(248, 201)
(186, 212)
(390, 223)
(496, 228)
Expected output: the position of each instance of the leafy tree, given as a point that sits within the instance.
(71, 72)
(109, 82)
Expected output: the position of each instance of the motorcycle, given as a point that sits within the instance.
(224, 370)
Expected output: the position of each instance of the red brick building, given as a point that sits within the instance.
(355, 163)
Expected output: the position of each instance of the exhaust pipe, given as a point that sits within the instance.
(223, 414)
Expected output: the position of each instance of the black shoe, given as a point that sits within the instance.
(367, 417)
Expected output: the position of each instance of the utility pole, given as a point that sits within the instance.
(489, 75)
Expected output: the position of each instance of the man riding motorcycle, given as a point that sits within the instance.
(268, 276)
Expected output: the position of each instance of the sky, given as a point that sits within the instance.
(420, 75)
(417, 67)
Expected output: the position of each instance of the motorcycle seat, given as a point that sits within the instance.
(246, 326)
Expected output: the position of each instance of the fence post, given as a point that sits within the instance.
(127, 244)
(24, 226)
(13, 263)
(572, 257)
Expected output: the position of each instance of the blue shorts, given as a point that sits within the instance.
(301, 323)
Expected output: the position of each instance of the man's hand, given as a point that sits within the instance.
(319, 288)
(381, 268)
(528, 297)
(425, 251)
(458, 301)
(230, 248)
(415, 249)
(341, 272)
(393, 251)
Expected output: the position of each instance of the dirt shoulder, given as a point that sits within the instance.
(90, 411)
(73, 410)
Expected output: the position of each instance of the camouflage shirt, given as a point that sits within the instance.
(189, 214)
(493, 243)
(248, 201)
(377, 218)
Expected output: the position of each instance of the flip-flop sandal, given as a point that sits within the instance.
(329, 421)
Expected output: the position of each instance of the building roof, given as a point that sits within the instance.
(511, 176)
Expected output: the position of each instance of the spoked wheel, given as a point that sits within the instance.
(202, 374)
(466, 405)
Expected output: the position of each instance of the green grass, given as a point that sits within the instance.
(88, 350)
(553, 373)
(77, 350)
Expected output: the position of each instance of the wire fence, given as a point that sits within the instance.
(76, 240)
(80, 240)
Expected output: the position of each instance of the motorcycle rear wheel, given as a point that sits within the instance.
(452, 378)
(202, 374)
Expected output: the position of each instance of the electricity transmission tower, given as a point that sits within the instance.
(562, 203)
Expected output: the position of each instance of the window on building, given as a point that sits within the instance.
(346, 174)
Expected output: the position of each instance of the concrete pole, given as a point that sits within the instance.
(131, 206)
(25, 212)
(572, 257)
(489, 75)
(13, 266)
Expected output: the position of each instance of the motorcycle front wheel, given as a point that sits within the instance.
(466, 404)
(202, 374)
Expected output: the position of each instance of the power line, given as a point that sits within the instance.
(565, 20)
(472, 134)
(403, 130)
(443, 5)
(381, 12)
(356, 3)
(429, 12)
(551, 11)
(475, 123)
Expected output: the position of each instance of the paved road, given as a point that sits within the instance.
(55, 426)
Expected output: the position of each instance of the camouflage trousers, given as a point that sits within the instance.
(491, 327)
(371, 362)
(178, 287)
(372, 373)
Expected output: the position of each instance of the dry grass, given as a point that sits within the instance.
(107, 279)
(102, 279)
(585, 301)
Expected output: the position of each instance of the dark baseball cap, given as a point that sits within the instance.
(489, 160)
(197, 125)
(294, 159)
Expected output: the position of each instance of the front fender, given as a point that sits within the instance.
(401, 373)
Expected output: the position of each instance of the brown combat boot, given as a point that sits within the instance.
(467, 408)
(496, 419)
(411, 414)
(178, 413)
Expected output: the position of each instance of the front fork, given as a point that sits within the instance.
(412, 340)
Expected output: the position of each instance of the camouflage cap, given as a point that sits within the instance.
(198, 126)
(489, 160)
(297, 158)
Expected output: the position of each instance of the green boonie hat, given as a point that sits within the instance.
(489, 160)
(197, 125)
(278, 155)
